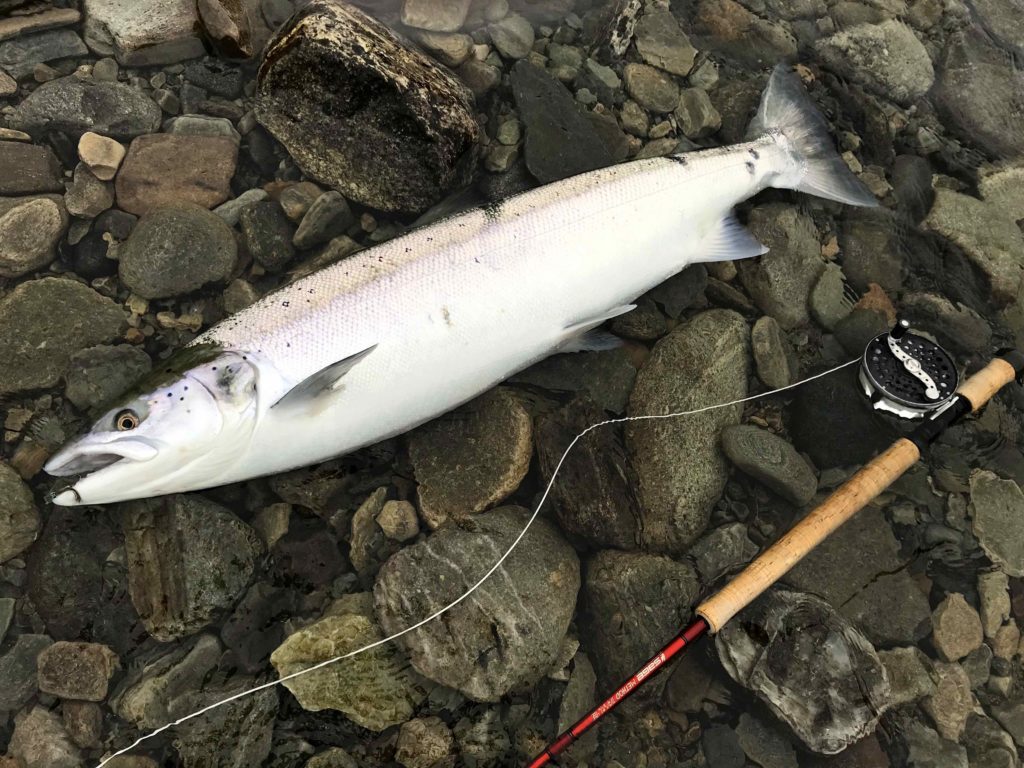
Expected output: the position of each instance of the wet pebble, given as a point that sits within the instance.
(76, 106)
(398, 521)
(956, 628)
(951, 702)
(30, 229)
(231, 211)
(83, 720)
(721, 550)
(472, 459)
(77, 670)
(153, 176)
(512, 36)
(203, 125)
(436, 15)
(451, 49)
(661, 43)
(328, 217)
(771, 460)
(175, 250)
(268, 235)
(102, 155)
(539, 582)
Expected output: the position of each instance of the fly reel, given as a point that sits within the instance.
(907, 375)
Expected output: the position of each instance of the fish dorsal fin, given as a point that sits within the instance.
(323, 380)
(729, 240)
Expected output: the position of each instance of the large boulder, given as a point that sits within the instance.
(361, 112)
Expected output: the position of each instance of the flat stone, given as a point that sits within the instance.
(771, 460)
(83, 720)
(721, 550)
(39, 19)
(764, 743)
(231, 211)
(1003, 187)
(19, 670)
(886, 58)
(473, 459)
(987, 236)
(203, 125)
(19, 518)
(26, 169)
(328, 130)
(98, 375)
(398, 521)
(74, 106)
(951, 702)
(8, 85)
(681, 472)
(512, 36)
(153, 175)
(189, 560)
(101, 154)
(228, 25)
(661, 43)
(39, 739)
(696, 115)
(328, 217)
(773, 355)
(996, 508)
(898, 598)
(956, 628)
(994, 599)
(20, 56)
(38, 342)
(435, 15)
(77, 670)
(735, 31)
(176, 250)
(652, 89)
(926, 749)
(910, 674)
(30, 230)
(143, 33)
(560, 140)
(523, 623)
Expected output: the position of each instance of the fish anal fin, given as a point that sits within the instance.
(581, 336)
(729, 240)
(322, 381)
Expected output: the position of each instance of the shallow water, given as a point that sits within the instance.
(895, 644)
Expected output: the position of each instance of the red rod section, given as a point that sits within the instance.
(693, 632)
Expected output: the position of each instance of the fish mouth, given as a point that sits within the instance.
(77, 459)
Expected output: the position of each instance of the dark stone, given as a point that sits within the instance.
(859, 327)
(26, 169)
(592, 493)
(912, 186)
(268, 235)
(722, 748)
(19, 57)
(560, 140)
(308, 557)
(359, 111)
(18, 670)
(256, 627)
(872, 251)
(89, 257)
(216, 76)
(97, 375)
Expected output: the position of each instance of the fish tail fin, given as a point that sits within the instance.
(788, 114)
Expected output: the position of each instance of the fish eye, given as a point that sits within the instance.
(126, 420)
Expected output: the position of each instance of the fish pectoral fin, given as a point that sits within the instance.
(324, 380)
(729, 240)
(581, 336)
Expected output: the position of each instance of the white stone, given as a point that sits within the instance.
(143, 32)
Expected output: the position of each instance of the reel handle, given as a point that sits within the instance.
(853, 495)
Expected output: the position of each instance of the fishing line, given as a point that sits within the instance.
(495, 567)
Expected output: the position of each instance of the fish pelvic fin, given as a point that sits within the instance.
(787, 114)
(729, 240)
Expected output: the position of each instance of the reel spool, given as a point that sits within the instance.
(906, 374)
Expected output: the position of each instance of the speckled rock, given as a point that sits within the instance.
(39, 739)
(88, 196)
(886, 58)
(474, 458)
(36, 343)
(21, 55)
(27, 169)
(956, 628)
(522, 623)
(771, 460)
(30, 230)
(153, 175)
(147, 33)
(436, 15)
(175, 250)
(268, 235)
(652, 89)
(773, 355)
(376, 689)
(951, 702)
(634, 602)
(18, 666)
(661, 43)
(721, 550)
(764, 743)
(76, 106)
(423, 742)
(77, 670)
(350, 142)
(680, 470)
(189, 560)
(910, 676)
(696, 115)
(604, 377)
(815, 672)
(97, 375)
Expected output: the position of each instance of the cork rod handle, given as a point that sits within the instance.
(843, 504)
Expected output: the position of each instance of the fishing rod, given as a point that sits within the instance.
(902, 373)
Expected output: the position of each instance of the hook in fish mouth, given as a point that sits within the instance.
(61, 489)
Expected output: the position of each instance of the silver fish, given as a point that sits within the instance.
(405, 331)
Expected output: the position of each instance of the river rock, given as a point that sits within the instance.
(87, 196)
(20, 56)
(661, 43)
(728, 27)
(74, 106)
(924, 748)
(30, 230)
(153, 175)
(909, 672)
(268, 235)
(652, 89)
(229, 26)
(560, 140)
(899, 599)
(98, 375)
(329, 131)
(776, 363)
(175, 250)
(771, 460)
(520, 617)
(435, 15)
(423, 742)
(603, 377)
(19, 669)
(721, 550)
(958, 328)
(978, 92)
(679, 468)
(886, 58)
(592, 493)
(36, 343)
(77, 670)
(635, 602)
(101, 154)
(189, 560)
(986, 235)
(764, 744)
(148, 33)
(951, 702)
(996, 508)
(813, 670)
(956, 628)
(473, 458)
(376, 689)
(781, 280)
(39, 739)
(26, 169)
(328, 217)
(512, 36)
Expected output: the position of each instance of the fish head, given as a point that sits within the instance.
(179, 429)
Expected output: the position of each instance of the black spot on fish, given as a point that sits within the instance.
(755, 154)
(283, 304)
(492, 211)
(750, 168)
(678, 159)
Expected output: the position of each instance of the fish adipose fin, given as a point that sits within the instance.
(730, 240)
(817, 169)
(324, 380)
(582, 336)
